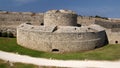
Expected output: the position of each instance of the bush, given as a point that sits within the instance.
(4, 34)
(10, 34)
(0, 34)
(101, 17)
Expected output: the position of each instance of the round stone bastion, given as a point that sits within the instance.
(60, 34)
(60, 18)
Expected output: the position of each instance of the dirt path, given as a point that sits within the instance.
(59, 63)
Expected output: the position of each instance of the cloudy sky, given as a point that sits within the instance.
(105, 8)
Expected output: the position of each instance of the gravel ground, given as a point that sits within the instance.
(58, 63)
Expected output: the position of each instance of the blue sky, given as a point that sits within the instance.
(105, 8)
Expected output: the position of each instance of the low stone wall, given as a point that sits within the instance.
(85, 20)
(113, 36)
(107, 24)
(45, 40)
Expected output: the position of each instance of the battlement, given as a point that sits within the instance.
(61, 11)
(20, 13)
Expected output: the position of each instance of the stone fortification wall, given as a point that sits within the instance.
(107, 24)
(112, 29)
(48, 39)
(85, 20)
(113, 35)
(10, 20)
(60, 18)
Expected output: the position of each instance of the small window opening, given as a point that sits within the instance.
(75, 28)
(116, 42)
(42, 24)
(79, 25)
(55, 50)
(28, 23)
(89, 28)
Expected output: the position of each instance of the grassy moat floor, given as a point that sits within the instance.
(108, 52)
(5, 64)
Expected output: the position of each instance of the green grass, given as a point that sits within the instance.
(5, 64)
(109, 52)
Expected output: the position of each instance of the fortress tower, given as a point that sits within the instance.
(60, 33)
(60, 18)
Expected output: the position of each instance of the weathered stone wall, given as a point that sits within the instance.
(113, 36)
(112, 29)
(107, 24)
(44, 39)
(60, 18)
(10, 20)
(85, 20)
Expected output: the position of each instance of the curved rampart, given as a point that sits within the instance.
(44, 38)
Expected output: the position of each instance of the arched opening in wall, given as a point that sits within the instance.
(89, 28)
(42, 24)
(116, 42)
(55, 50)
(75, 28)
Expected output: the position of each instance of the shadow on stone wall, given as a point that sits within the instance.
(105, 40)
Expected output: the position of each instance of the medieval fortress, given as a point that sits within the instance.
(59, 30)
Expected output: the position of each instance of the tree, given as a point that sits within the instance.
(101, 17)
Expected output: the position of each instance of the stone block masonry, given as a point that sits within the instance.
(38, 38)
(10, 20)
(60, 18)
(61, 34)
(56, 31)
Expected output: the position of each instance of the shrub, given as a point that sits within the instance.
(10, 34)
(0, 34)
(101, 17)
(4, 34)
